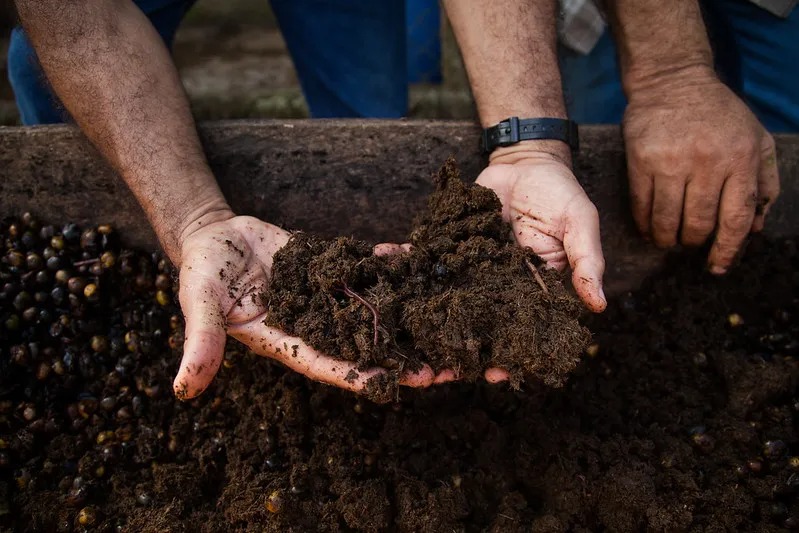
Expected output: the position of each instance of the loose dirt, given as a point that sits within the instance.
(683, 419)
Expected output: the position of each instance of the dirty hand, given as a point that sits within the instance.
(224, 267)
(698, 161)
(550, 213)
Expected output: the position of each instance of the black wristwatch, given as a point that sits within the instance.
(513, 130)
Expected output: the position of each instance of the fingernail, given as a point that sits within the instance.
(717, 270)
(602, 295)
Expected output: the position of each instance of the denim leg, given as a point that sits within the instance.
(35, 99)
(768, 47)
(350, 55)
(592, 84)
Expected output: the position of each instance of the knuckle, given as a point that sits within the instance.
(696, 235)
(666, 215)
(653, 152)
(750, 201)
(733, 225)
(640, 151)
(723, 252)
(699, 223)
(743, 147)
(707, 150)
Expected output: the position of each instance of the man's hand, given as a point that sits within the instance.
(225, 266)
(502, 43)
(551, 214)
(698, 161)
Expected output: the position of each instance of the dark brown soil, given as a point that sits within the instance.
(684, 419)
(465, 297)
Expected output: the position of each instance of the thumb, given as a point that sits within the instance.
(204, 346)
(583, 247)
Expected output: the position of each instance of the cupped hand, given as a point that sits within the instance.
(698, 162)
(551, 214)
(224, 268)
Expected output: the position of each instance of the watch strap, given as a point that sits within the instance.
(513, 130)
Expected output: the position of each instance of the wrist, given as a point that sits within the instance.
(204, 214)
(532, 151)
(553, 107)
(644, 81)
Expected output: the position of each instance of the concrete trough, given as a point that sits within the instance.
(364, 178)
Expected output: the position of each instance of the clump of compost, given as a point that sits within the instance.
(465, 297)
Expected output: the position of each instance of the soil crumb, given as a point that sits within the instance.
(465, 297)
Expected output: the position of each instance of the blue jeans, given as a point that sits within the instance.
(756, 54)
(350, 57)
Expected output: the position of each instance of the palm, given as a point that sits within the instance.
(225, 267)
(551, 214)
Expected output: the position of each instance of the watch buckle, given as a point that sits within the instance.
(513, 123)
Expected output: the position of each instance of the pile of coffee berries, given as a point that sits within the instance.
(84, 328)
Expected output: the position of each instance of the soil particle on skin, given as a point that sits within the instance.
(465, 297)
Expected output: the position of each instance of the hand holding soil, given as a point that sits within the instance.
(225, 267)
(464, 299)
(551, 214)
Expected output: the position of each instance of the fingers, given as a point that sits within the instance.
(294, 353)
(421, 379)
(768, 183)
(547, 247)
(736, 215)
(298, 356)
(700, 213)
(205, 337)
(584, 250)
(667, 208)
(496, 375)
(389, 248)
(446, 376)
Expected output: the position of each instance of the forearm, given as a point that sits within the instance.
(658, 40)
(510, 52)
(114, 75)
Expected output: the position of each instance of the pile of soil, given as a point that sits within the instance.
(683, 418)
(464, 297)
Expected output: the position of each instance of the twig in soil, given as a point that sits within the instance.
(352, 294)
(400, 354)
(536, 275)
(86, 262)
